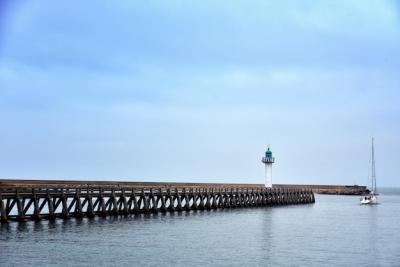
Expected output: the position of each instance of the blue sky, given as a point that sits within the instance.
(196, 90)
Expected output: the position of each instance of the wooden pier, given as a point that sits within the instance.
(45, 199)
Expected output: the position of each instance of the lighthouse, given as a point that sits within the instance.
(268, 160)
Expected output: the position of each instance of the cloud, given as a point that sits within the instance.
(116, 37)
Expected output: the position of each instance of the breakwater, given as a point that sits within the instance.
(44, 199)
(329, 189)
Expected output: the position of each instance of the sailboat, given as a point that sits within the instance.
(371, 198)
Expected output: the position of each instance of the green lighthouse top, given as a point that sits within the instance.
(268, 153)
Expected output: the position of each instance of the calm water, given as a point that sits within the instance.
(335, 231)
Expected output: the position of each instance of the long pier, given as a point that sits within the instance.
(45, 199)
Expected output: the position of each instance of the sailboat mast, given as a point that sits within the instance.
(373, 177)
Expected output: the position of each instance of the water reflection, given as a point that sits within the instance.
(334, 231)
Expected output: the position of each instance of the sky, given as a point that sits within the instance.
(195, 91)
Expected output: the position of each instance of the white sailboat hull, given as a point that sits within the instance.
(369, 200)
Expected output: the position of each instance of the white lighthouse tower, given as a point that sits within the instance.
(268, 160)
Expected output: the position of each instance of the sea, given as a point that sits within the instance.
(335, 231)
